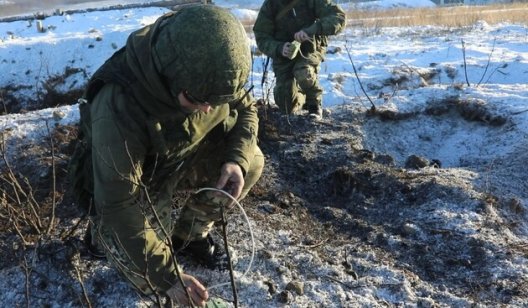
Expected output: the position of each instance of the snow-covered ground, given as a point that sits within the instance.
(405, 71)
(496, 58)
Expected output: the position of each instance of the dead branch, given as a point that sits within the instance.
(27, 273)
(488, 63)
(150, 204)
(85, 293)
(373, 108)
(229, 262)
(53, 181)
(315, 245)
(22, 196)
(497, 69)
(122, 266)
(465, 62)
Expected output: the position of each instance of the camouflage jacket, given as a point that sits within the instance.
(165, 129)
(319, 18)
(142, 136)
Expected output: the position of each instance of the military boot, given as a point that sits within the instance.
(205, 251)
(91, 244)
(315, 112)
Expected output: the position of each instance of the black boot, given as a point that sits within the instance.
(93, 249)
(205, 252)
(315, 112)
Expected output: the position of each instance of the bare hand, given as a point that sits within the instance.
(286, 50)
(301, 36)
(231, 179)
(197, 291)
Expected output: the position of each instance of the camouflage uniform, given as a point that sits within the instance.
(137, 145)
(276, 25)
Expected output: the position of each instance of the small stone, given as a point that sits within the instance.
(267, 207)
(416, 162)
(409, 229)
(384, 159)
(516, 205)
(283, 270)
(272, 289)
(267, 254)
(58, 115)
(296, 286)
(285, 297)
(436, 163)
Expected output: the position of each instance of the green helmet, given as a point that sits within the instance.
(204, 50)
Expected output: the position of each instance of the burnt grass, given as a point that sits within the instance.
(320, 171)
(325, 187)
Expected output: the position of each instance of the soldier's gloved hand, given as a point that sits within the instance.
(287, 50)
(231, 179)
(197, 291)
(301, 36)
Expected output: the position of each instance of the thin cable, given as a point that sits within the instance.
(250, 232)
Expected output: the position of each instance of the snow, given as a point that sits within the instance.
(386, 4)
(497, 71)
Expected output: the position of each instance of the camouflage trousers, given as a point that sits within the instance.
(297, 84)
(201, 210)
(145, 230)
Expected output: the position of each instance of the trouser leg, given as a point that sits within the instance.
(286, 92)
(201, 210)
(306, 72)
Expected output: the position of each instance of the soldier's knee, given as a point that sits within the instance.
(305, 76)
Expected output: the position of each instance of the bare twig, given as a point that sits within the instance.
(229, 263)
(465, 62)
(85, 293)
(412, 69)
(27, 273)
(21, 195)
(373, 108)
(67, 233)
(488, 63)
(53, 182)
(497, 69)
(315, 245)
(125, 267)
(150, 204)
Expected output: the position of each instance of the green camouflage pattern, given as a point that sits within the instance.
(212, 65)
(216, 303)
(296, 79)
(297, 84)
(142, 146)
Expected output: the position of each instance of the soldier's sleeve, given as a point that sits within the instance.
(331, 19)
(131, 242)
(264, 30)
(242, 139)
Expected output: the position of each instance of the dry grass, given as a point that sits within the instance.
(454, 16)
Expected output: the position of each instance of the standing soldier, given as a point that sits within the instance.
(168, 111)
(280, 26)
